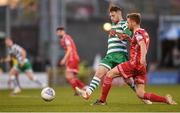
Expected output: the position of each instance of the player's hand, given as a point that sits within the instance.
(112, 33)
(123, 36)
(63, 62)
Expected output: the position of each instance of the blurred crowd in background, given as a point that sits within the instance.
(32, 23)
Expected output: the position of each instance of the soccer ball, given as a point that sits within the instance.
(107, 26)
(48, 94)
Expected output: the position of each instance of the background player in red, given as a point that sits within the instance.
(136, 66)
(70, 59)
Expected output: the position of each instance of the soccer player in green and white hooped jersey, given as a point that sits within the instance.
(23, 65)
(116, 53)
(115, 45)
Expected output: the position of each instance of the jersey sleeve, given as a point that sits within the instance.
(67, 42)
(126, 30)
(139, 37)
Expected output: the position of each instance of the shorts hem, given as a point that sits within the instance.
(121, 71)
(28, 70)
(105, 65)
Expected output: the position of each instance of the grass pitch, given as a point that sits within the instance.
(120, 99)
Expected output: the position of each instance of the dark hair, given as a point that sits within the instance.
(135, 16)
(115, 8)
(60, 28)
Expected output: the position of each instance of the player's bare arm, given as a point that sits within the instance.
(143, 50)
(23, 53)
(66, 56)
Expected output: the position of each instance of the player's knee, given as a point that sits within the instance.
(110, 73)
(69, 76)
(99, 73)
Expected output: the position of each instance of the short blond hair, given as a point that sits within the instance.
(135, 16)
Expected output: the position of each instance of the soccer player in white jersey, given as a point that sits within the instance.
(23, 64)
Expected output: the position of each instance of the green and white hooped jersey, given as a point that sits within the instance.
(114, 43)
(16, 50)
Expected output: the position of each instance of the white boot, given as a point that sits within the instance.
(147, 101)
(16, 90)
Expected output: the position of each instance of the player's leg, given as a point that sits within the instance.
(107, 85)
(73, 66)
(31, 76)
(101, 71)
(70, 77)
(127, 72)
(72, 69)
(116, 59)
(103, 68)
(140, 91)
(131, 83)
(80, 84)
(95, 82)
(10, 82)
(123, 70)
(13, 72)
(27, 68)
(17, 79)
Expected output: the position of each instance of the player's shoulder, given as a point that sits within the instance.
(120, 25)
(141, 31)
(123, 22)
(68, 37)
(15, 46)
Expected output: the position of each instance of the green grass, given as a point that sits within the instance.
(120, 99)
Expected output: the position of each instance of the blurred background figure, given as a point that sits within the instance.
(70, 60)
(22, 65)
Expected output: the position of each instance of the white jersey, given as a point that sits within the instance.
(16, 51)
